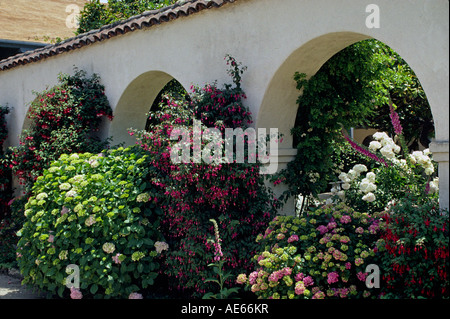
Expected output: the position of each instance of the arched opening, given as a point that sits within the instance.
(136, 101)
(279, 108)
(280, 104)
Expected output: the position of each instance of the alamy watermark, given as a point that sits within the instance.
(231, 149)
(373, 279)
(373, 19)
(72, 19)
(73, 280)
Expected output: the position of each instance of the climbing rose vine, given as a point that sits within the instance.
(63, 119)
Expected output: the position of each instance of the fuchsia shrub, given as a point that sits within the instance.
(191, 194)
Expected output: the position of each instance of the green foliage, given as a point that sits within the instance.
(5, 170)
(322, 254)
(94, 211)
(96, 14)
(414, 250)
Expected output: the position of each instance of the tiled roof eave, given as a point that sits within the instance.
(144, 20)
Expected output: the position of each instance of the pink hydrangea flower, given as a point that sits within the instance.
(75, 293)
(332, 277)
(135, 295)
(292, 238)
(252, 277)
(345, 219)
(322, 229)
(299, 276)
(300, 288)
(241, 279)
(361, 276)
(116, 258)
(308, 281)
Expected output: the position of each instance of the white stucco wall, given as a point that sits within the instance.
(272, 38)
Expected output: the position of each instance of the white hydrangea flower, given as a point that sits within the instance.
(65, 186)
(41, 196)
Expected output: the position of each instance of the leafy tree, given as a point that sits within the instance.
(96, 14)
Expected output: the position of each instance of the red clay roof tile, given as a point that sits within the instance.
(144, 20)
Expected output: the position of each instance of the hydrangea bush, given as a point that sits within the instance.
(323, 254)
(94, 211)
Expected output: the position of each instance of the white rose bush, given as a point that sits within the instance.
(396, 173)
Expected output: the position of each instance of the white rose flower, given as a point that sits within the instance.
(429, 169)
(360, 168)
(387, 151)
(352, 174)
(344, 177)
(345, 186)
(369, 197)
(397, 148)
(371, 176)
(380, 136)
(374, 145)
(434, 185)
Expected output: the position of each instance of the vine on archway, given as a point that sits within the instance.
(351, 90)
(63, 120)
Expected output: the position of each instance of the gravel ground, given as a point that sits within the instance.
(11, 287)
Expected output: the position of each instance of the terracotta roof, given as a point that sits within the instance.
(144, 20)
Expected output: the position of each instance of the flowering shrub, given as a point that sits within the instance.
(191, 194)
(95, 211)
(414, 250)
(396, 173)
(323, 254)
(63, 119)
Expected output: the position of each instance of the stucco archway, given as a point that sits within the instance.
(279, 108)
(134, 104)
